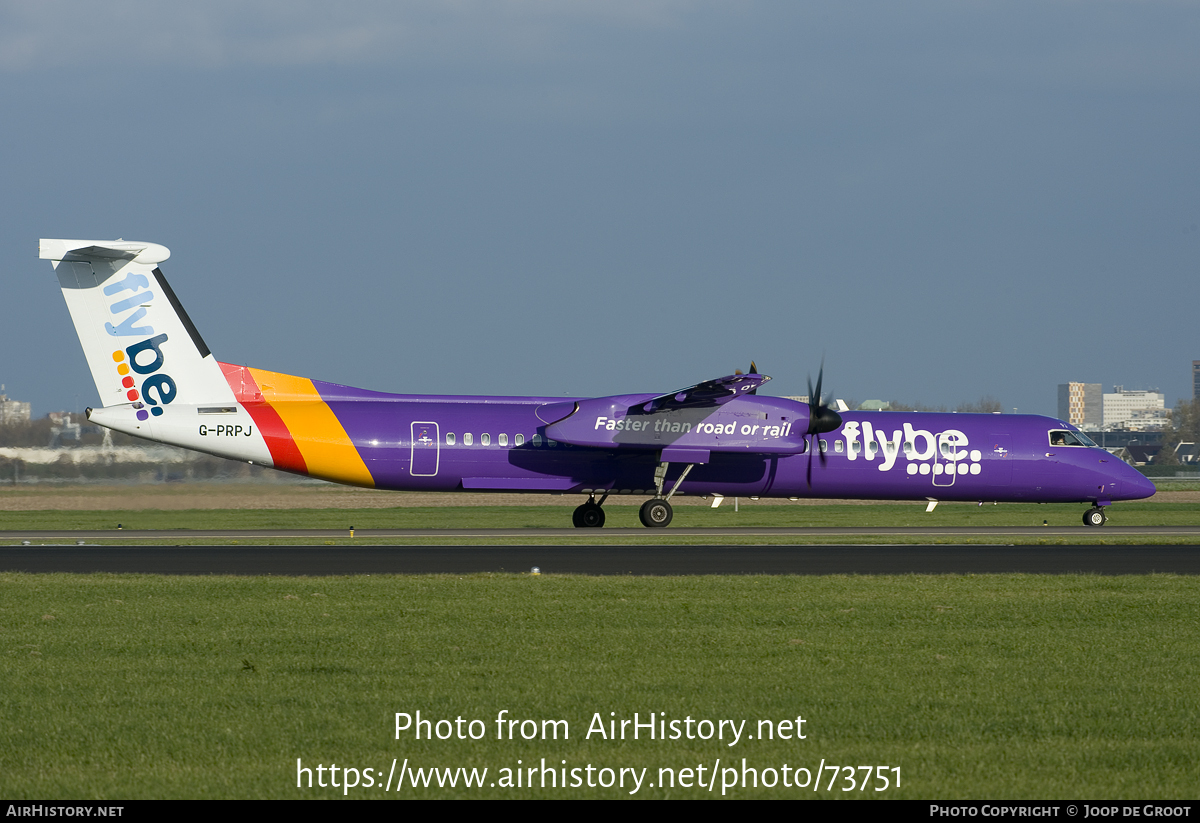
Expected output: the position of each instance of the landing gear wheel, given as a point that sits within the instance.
(588, 516)
(656, 514)
(1094, 516)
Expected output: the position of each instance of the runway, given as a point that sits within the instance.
(602, 560)
(469, 535)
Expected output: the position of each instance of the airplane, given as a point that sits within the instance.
(157, 379)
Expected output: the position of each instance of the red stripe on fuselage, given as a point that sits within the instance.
(284, 451)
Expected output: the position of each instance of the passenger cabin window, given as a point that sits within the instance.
(839, 446)
(824, 446)
(449, 438)
(468, 438)
(519, 440)
(856, 447)
(537, 440)
(908, 447)
(485, 439)
(1059, 437)
(502, 440)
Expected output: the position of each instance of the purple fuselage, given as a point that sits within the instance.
(750, 446)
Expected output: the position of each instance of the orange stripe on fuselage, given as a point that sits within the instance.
(327, 450)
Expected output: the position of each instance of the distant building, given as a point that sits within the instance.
(1135, 409)
(1137, 455)
(61, 428)
(1141, 455)
(1081, 404)
(13, 411)
(1196, 379)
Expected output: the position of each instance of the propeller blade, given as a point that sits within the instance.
(808, 472)
(753, 370)
(821, 418)
(815, 400)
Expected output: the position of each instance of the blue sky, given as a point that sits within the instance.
(942, 199)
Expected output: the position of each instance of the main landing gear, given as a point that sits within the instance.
(654, 514)
(589, 515)
(1094, 516)
(657, 513)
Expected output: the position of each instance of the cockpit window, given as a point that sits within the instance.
(1059, 437)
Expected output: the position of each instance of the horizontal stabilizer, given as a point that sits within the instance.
(83, 250)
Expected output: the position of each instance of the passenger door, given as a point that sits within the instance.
(425, 450)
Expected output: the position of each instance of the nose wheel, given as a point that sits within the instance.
(1094, 516)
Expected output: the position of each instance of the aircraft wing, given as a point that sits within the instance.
(697, 420)
(709, 393)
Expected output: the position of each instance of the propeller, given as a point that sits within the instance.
(753, 370)
(821, 419)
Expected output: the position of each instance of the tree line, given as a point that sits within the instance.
(1185, 428)
(986, 405)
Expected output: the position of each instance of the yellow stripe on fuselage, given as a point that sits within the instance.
(327, 449)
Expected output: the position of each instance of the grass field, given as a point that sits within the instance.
(984, 687)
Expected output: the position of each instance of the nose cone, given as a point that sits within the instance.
(1138, 486)
(1127, 483)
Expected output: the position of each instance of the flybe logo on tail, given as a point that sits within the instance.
(144, 358)
(157, 390)
(126, 327)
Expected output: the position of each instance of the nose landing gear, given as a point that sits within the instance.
(1094, 516)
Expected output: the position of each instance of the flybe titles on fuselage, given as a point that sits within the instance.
(145, 357)
(925, 452)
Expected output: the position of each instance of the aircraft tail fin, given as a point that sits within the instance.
(140, 344)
